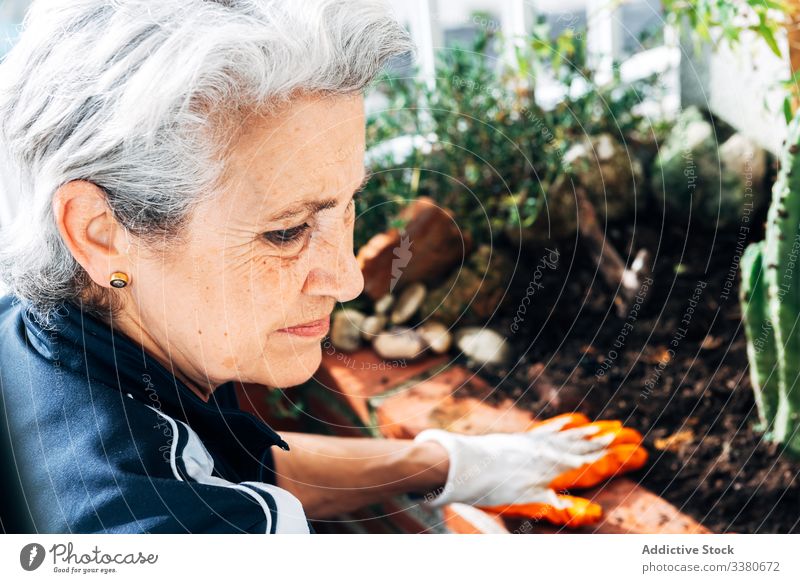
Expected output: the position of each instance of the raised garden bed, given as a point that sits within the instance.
(574, 352)
(353, 395)
(696, 409)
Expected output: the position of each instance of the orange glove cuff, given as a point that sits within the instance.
(579, 512)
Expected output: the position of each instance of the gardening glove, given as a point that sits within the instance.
(517, 474)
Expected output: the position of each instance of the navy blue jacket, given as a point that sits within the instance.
(99, 437)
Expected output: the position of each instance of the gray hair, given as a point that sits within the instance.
(122, 93)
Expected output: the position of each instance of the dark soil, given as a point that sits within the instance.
(695, 407)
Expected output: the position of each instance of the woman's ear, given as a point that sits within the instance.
(90, 231)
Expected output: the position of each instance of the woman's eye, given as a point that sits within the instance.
(287, 236)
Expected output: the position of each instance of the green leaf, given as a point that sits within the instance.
(766, 34)
(787, 109)
(780, 6)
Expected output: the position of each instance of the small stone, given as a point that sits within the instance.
(695, 177)
(399, 342)
(408, 303)
(383, 305)
(436, 336)
(346, 329)
(372, 326)
(483, 346)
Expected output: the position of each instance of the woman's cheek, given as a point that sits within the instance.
(285, 273)
(274, 286)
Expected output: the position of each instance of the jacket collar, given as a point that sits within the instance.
(91, 348)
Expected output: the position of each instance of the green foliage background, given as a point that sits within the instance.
(494, 149)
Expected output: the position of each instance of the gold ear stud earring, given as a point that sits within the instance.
(119, 279)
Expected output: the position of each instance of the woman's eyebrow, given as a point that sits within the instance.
(309, 207)
(315, 206)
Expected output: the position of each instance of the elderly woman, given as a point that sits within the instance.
(185, 173)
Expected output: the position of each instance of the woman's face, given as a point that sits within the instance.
(275, 251)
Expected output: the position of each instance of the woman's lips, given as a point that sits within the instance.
(316, 328)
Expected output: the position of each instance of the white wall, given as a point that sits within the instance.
(740, 87)
(740, 83)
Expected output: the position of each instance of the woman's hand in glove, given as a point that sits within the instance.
(518, 474)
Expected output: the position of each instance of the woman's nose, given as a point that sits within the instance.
(334, 270)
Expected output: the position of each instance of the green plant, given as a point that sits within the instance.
(761, 351)
(770, 296)
(729, 17)
(485, 147)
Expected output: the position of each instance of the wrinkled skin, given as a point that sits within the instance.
(211, 309)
